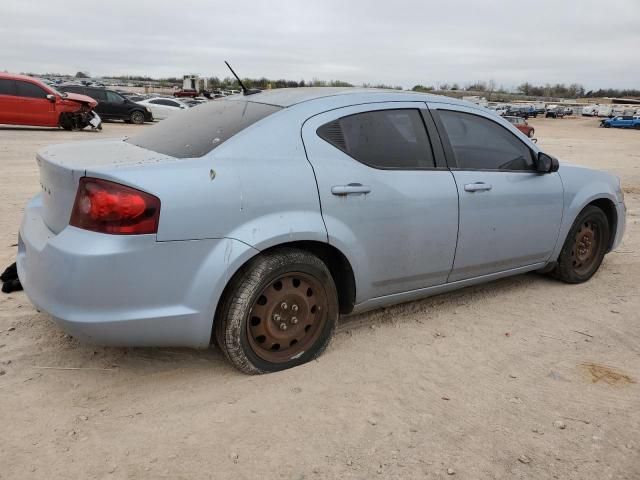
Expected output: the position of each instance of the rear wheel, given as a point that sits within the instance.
(585, 246)
(280, 312)
(137, 117)
(637, 126)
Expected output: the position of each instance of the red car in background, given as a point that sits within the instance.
(522, 125)
(28, 101)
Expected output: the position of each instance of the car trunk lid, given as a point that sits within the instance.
(62, 166)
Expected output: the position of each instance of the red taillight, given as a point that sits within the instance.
(108, 207)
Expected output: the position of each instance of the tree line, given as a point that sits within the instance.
(558, 90)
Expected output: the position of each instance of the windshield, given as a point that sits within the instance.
(197, 131)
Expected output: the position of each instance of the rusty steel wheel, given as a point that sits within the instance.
(585, 246)
(583, 253)
(287, 317)
(279, 311)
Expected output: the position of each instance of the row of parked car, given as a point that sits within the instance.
(26, 100)
(132, 107)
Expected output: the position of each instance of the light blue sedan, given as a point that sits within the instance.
(255, 221)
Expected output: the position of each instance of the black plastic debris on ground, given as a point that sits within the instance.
(10, 280)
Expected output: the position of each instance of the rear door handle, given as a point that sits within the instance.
(351, 189)
(477, 187)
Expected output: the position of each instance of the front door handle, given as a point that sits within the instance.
(351, 189)
(477, 187)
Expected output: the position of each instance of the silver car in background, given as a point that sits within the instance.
(254, 221)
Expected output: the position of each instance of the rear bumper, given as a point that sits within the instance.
(125, 290)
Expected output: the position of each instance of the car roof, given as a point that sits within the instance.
(15, 76)
(287, 97)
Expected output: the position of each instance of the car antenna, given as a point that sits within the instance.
(245, 90)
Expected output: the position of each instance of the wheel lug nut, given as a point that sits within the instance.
(294, 320)
(294, 307)
(284, 305)
(276, 318)
(283, 326)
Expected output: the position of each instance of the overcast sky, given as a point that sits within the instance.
(401, 42)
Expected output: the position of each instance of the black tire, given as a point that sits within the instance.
(137, 117)
(236, 316)
(637, 127)
(66, 122)
(579, 261)
(532, 132)
(606, 125)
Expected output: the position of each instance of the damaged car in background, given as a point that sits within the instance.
(254, 221)
(28, 101)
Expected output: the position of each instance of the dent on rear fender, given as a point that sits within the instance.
(277, 228)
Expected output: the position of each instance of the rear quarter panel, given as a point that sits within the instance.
(257, 187)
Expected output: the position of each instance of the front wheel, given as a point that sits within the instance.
(281, 311)
(532, 132)
(137, 117)
(584, 247)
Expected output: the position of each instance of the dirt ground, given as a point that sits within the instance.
(521, 378)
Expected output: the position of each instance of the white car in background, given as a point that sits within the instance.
(590, 110)
(162, 108)
(502, 110)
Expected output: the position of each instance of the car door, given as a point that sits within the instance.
(35, 108)
(104, 108)
(388, 201)
(9, 102)
(626, 121)
(158, 109)
(118, 106)
(174, 106)
(509, 214)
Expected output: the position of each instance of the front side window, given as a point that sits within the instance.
(482, 144)
(7, 87)
(167, 103)
(97, 94)
(30, 90)
(113, 97)
(73, 89)
(388, 139)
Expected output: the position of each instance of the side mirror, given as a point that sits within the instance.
(51, 98)
(547, 163)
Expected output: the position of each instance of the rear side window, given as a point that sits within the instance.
(7, 87)
(199, 130)
(26, 89)
(388, 139)
(482, 144)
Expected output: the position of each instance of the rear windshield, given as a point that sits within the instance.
(197, 131)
